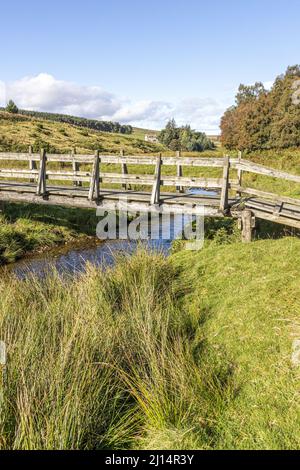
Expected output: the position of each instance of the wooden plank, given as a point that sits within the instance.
(19, 156)
(130, 159)
(18, 173)
(270, 196)
(70, 158)
(110, 204)
(155, 196)
(224, 191)
(275, 218)
(269, 208)
(263, 170)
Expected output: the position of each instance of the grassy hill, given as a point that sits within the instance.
(17, 132)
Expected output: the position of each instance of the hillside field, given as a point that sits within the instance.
(17, 132)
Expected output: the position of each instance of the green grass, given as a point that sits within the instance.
(27, 228)
(187, 352)
(249, 296)
(17, 132)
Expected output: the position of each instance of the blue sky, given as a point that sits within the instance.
(142, 62)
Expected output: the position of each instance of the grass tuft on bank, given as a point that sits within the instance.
(26, 228)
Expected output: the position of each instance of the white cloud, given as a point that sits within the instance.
(268, 85)
(44, 92)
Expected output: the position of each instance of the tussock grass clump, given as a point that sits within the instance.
(104, 360)
(95, 360)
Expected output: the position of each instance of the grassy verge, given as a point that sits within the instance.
(192, 351)
(26, 228)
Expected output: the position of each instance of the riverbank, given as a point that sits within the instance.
(190, 351)
(29, 228)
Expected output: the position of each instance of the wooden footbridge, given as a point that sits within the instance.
(80, 181)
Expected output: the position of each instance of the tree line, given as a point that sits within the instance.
(184, 138)
(104, 126)
(265, 119)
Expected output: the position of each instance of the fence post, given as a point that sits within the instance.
(95, 179)
(225, 182)
(179, 189)
(155, 196)
(239, 175)
(41, 185)
(124, 171)
(75, 166)
(32, 163)
(248, 224)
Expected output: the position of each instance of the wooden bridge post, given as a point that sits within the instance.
(239, 175)
(95, 179)
(155, 196)
(225, 182)
(32, 163)
(248, 224)
(41, 185)
(179, 189)
(124, 171)
(75, 166)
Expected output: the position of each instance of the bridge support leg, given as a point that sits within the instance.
(247, 225)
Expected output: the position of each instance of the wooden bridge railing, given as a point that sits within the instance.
(244, 166)
(39, 172)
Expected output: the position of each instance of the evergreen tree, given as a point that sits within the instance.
(11, 107)
(184, 138)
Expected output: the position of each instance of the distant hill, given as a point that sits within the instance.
(18, 131)
(95, 124)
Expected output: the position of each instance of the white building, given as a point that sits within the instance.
(151, 138)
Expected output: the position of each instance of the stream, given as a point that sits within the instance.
(72, 259)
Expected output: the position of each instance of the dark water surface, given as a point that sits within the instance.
(73, 259)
